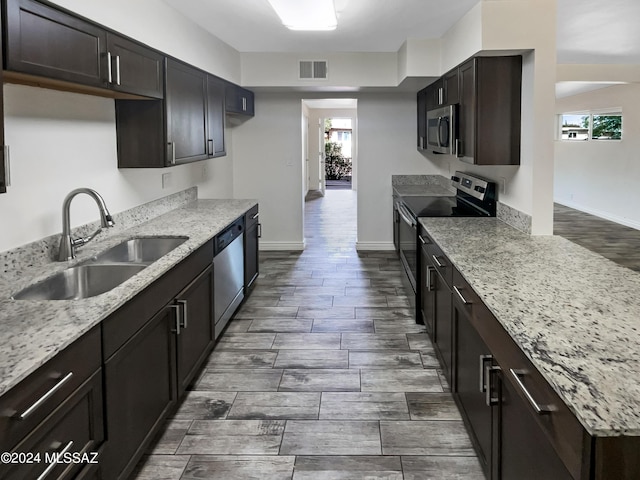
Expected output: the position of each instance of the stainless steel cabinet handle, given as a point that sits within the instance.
(483, 378)
(259, 230)
(117, 69)
(183, 304)
(464, 300)
(53, 465)
(7, 166)
(422, 240)
(440, 96)
(110, 76)
(430, 271)
(489, 399)
(540, 409)
(244, 104)
(459, 148)
(255, 216)
(46, 396)
(210, 148)
(178, 323)
(173, 152)
(438, 264)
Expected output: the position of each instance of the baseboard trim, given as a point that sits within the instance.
(281, 246)
(598, 213)
(371, 246)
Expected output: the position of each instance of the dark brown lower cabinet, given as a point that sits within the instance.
(443, 329)
(473, 372)
(74, 428)
(196, 337)
(427, 294)
(525, 452)
(140, 382)
(251, 256)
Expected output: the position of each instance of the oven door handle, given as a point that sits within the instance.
(406, 216)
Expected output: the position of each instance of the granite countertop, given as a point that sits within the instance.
(575, 314)
(34, 331)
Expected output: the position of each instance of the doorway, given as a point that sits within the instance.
(331, 157)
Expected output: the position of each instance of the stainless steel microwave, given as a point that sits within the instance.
(441, 130)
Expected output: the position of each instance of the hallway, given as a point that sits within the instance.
(323, 374)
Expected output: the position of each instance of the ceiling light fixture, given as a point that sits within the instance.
(310, 15)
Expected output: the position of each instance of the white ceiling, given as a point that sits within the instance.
(363, 25)
(588, 31)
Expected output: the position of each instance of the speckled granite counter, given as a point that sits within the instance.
(34, 331)
(575, 314)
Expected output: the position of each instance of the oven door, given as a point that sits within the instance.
(441, 130)
(408, 243)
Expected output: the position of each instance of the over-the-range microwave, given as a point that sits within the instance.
(441, 130)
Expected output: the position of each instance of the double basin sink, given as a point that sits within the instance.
(103, 271)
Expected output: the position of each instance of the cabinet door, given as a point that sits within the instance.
(239, 100)
(134, 68)
(526, 453)
(76, 426)
(450, 87)
(196, 335)
(186, 91)
(472, 375)
(215, 117)
(422, 118)
(251, 259)
(444, 326)
(434, 95)
(140, 388)
(46, 42)
(427, 292)
(467, 111)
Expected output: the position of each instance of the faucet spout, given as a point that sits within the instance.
(68, 245)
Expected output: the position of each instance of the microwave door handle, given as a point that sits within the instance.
(439, 137)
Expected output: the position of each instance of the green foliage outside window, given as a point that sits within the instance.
(336, 166)
(607, 127)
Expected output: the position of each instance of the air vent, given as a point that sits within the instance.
(313, 70)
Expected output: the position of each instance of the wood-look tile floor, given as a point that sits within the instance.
(618, 243)
(322, 374)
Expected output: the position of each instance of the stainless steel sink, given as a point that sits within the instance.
(81, 281)
(143, 250)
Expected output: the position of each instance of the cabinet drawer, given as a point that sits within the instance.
(23, 407)
(439, 260)
(74, 428)
(561, 427)
(251, 218)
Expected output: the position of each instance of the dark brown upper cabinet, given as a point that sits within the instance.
(489, 111)
(239, 101)
(68, 52)
(47, 42)
(187, 127)
(422, 118)
(215, 116)
(186, 107)
(133, 68)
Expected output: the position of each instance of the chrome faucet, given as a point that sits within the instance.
(69, 245)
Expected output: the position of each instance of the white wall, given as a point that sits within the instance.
(264, 147)
(60, 141)
(602, 177)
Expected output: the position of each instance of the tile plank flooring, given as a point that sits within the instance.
(322, 374)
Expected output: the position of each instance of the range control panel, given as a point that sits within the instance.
(475, 186)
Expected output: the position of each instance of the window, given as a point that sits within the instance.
(590, 126)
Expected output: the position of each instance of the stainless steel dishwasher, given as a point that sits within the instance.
(228, 273)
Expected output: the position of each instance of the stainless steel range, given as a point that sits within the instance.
(475, 197)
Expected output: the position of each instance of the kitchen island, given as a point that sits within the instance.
(571, 312)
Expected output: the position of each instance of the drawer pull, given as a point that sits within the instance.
(46, 396)
(459, 293)
(53, 465)
(255, 216)
(422, 240)
(438, 264)
(540, 409)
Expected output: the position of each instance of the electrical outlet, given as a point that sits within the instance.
(167, 181)
(503, 185)
(203, 173)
